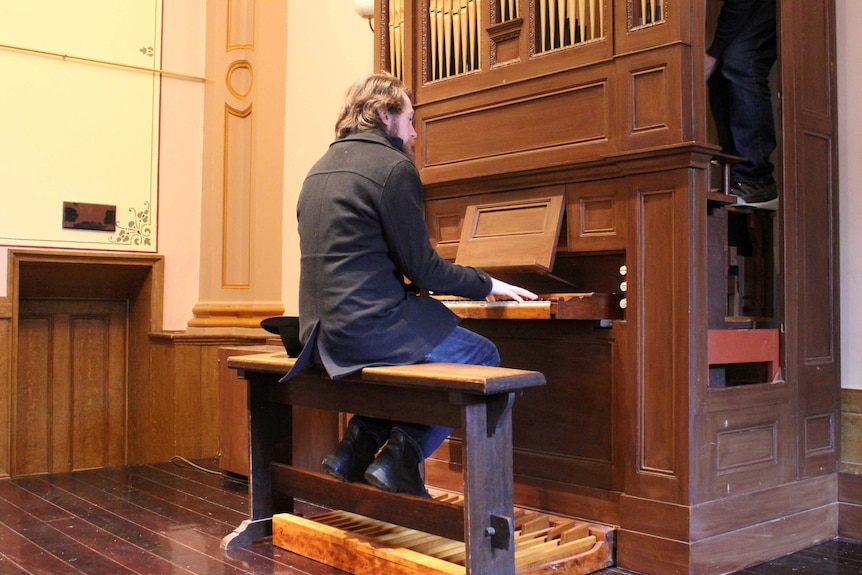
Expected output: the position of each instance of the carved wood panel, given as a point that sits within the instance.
(810, 197)
(578, 407)
(596, 216)
(70, 399)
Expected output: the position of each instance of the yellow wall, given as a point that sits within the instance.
(86, 101)
(329, 46)
(181, 157)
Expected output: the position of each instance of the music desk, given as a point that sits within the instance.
(476, 399)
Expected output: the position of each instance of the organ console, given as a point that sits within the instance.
(583, 306)
(566, 145)
(516, 236)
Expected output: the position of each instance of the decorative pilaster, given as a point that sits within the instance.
(243, 183)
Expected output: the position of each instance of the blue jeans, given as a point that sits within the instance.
(740, 97)
(460, 346)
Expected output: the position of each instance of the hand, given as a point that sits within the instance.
(508, 291)
(709, 66)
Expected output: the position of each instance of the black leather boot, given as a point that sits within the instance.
(396, 469)
(353, 454)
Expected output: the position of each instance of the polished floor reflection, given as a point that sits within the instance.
(170, 517)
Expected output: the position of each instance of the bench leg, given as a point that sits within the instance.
(270, 439)
(247, 533)
(488, 487)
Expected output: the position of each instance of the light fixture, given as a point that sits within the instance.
(365, 8)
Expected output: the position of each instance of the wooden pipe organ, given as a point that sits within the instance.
(581, 126)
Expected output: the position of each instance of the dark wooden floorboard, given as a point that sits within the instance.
(169, 518)
(156, 535)
(19, 551)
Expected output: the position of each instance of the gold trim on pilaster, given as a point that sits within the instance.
(240, 25)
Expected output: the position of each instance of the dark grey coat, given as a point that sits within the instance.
(362, 230)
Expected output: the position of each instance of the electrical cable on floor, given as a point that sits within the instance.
(179, 461)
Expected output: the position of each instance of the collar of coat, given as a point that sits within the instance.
(375, 135)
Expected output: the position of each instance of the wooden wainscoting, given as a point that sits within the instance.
(178, 412)
(88, 378)
(850, 505)
(851, 430)
(850, 478)
(77, 333)
(70, 401)
(5, 385)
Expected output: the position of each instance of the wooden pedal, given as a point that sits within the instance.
(544, 544)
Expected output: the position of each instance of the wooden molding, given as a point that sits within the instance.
(247, 315)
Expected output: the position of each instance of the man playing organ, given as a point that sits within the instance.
(362, 232)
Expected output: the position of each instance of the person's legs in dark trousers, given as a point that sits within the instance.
(742, 107)
(397, 466)
(396, 469)
(719, 102)
(461, 346)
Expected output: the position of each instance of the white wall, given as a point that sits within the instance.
(849, 19)
(181, 157)
(328, 48)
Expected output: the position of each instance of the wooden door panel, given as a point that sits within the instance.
(32, 397)
(810, 196)
(71, 388)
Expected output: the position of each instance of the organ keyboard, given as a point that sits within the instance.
(515, 236)
(582, 306)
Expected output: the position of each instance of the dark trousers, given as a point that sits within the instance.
(740, 97)
(461, 346)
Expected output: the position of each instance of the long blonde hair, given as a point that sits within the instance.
(365, 98)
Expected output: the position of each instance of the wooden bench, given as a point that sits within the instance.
(476, 399)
